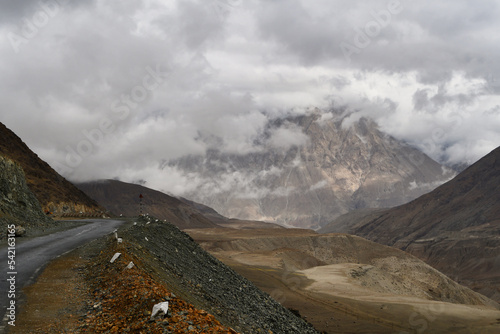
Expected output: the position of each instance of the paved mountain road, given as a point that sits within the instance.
(33, 255)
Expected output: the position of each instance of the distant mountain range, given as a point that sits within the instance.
(333, 168)
(54, 192)
(455, 228)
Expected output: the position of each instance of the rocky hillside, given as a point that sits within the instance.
(199, 278)
(55, 193)
(455, 228)
(333, 168)
(18, 205)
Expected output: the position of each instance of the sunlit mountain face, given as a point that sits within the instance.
(332, 168)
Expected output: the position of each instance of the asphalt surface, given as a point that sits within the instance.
(31, 256)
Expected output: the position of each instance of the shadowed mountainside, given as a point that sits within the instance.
(122, 198)
(54, 192)
(455, 228)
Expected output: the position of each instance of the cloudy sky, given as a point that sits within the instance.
(103, 89)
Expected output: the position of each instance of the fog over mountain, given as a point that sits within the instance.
(105, 89)
(331, 169)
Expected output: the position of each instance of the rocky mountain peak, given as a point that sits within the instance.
(309, 169)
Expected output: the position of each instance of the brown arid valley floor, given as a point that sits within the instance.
(329, 296)
(82, 292)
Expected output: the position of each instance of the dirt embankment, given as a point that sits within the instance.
(205, 295)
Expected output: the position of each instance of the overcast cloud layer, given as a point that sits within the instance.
(110, 89)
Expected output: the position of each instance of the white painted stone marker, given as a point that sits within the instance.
(115, 257)
(160, 307)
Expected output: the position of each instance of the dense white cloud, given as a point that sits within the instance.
(102, 89)
(286, 136)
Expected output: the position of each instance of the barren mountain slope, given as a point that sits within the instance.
(455, 228)
(54, 192)
(337, 169)
(222, 221)
(122, 198)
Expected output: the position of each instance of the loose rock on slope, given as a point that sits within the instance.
(213, 286)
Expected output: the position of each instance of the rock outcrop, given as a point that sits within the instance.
(18, 205)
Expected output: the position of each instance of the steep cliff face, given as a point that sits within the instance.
(54, 192)
(18, 205)
(336, 169)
